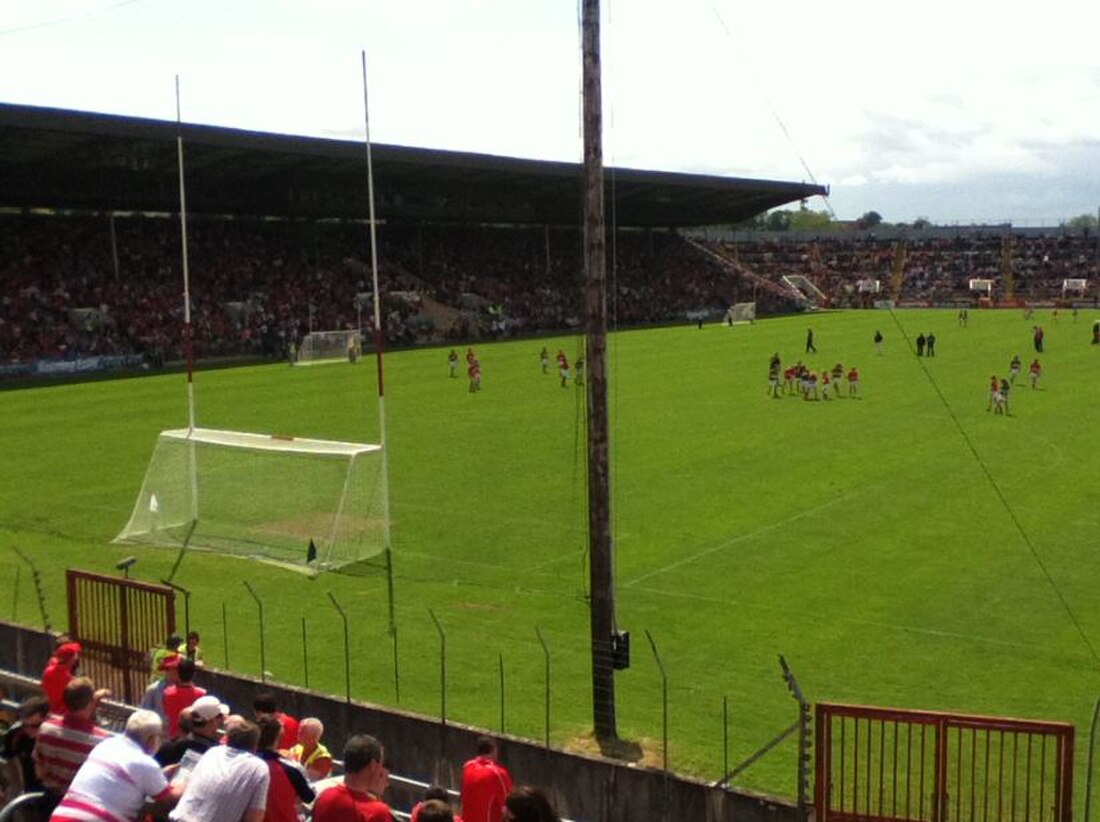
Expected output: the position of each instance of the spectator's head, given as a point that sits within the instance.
(207, 716)
(310, 730)
(68, 653)
(173, 642)
(184, 720)
(527, 804)
(32, 712)
(192, 640)
(145, 728)
(79, 697)
(186, 669)
(486, 746)
(270, 731)
(435, 810)
(265, 705)
(437, 792)
(243, 735)
(170, 667)
(365, 764)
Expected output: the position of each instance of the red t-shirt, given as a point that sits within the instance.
(341, 804)
(176, 698)
(290, 731)
(485, 785)
(54, 679)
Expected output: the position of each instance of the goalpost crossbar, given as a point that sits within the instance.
(270, 442)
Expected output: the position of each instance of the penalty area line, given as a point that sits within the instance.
(809, 512)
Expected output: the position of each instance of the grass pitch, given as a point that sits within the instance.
(906, 549)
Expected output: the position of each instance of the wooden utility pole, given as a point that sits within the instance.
(601, 580)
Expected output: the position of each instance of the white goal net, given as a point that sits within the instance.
(740, 313)
(309, 504)
(328, 346)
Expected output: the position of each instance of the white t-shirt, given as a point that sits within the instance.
(226, 783)
(113, 783)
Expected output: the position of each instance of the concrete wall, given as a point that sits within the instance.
(584, 788)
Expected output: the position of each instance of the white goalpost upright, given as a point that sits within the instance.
(309, 504)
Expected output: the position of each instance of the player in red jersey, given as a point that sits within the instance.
(853, 382)
(1036, 372)
(563, 368)
(994, 387)
(474, 372)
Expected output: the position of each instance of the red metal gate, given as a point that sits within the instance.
(890, 764)
(117, 622)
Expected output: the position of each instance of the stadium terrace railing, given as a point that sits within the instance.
(891, 764)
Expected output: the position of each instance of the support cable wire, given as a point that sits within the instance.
(1000, 494)
(782, 126)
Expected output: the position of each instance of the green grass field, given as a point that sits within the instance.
(867, 540)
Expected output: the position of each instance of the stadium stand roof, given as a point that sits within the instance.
(52, 158)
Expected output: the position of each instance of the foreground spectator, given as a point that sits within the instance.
(265, 705)
(359, 796)
(58, 673)
(228, 784)
(180, 695)
(485, 784)
(309, 752)
(288, 786)
(119, 775)
(64, 742)
(206, 715)
(19, 743)
(527, 804)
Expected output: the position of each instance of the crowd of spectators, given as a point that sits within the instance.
(81, 285)
(84, 285)
(934, 268)
(185, 756)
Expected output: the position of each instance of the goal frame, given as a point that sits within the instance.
(348, 348)
(180, 527)
(740, 314)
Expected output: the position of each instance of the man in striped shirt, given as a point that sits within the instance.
(64, 741)
(118, 776)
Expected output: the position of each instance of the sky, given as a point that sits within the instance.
(958, 112)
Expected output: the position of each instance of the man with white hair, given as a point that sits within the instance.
(119, 775)
(309, 752)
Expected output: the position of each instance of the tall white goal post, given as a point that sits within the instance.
(740, 313)
(311, 505)
(329, 346)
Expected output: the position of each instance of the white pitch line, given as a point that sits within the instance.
(740, 538)
(932, 632)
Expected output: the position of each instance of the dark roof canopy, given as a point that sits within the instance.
(68, 159)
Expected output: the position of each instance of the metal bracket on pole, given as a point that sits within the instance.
(805, 743)
(186, 603)
(263, 649)
(347, 648)
(546, 655)
(36, 578)
(664, 699)
(442, 666)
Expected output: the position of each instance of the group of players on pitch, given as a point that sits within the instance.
(798, 379)
(999, 389)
